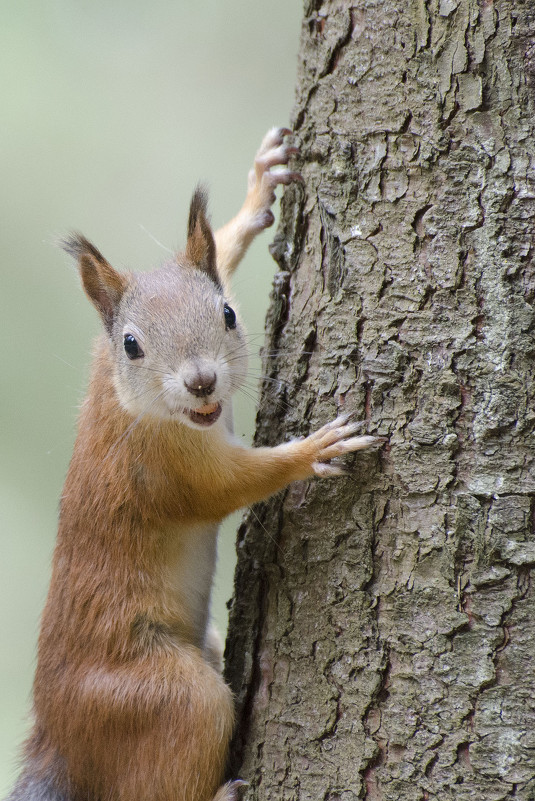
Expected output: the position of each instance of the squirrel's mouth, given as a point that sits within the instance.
(205, 415)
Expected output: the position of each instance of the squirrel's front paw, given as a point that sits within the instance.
(262, 181)
(336, 439)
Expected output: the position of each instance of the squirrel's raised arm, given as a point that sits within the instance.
(233, 239)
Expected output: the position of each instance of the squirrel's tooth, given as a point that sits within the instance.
(208, 409)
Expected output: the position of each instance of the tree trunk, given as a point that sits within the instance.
(382, 634)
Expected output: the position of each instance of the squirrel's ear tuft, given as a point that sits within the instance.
(103, 285)
(200, 247)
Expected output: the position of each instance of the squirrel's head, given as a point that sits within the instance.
(178, 346)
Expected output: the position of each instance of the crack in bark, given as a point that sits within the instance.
(337, 47)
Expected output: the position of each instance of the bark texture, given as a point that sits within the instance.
(382, 636)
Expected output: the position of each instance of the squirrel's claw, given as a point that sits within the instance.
(337, 439)
(230, 791)
(262, 180)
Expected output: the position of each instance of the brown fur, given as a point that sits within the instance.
(200, 248)
(128, 705)
(102, 283)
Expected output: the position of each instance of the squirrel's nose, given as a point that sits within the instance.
(201, 384)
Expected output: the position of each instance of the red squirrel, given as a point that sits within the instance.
(129, 701)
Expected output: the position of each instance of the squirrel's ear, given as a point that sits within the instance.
(200, 247)
(103, 285)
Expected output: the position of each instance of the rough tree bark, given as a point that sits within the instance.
(382, 636)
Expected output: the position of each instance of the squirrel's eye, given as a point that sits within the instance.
(230, 317)
(131, 346)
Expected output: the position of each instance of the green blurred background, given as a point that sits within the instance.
(110, 113)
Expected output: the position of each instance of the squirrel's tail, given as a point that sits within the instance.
(32, 788)
(35, 788)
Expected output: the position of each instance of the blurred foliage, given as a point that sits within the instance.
(111, 112)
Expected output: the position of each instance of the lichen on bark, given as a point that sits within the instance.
(382, 638)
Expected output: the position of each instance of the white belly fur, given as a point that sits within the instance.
(190, 573)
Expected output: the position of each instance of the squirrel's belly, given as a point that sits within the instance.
(188, 576)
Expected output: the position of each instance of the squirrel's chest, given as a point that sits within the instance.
(187, 577)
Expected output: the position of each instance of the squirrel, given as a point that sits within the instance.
(129, 700)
